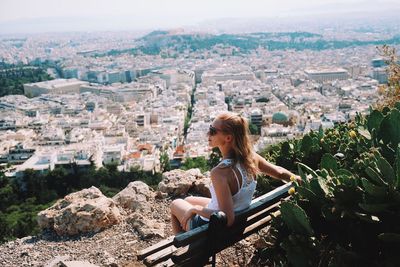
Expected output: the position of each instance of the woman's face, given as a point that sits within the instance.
(216, 136)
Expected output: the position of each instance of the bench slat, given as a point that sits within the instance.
(159, 256)
(261, 214)
(167, 263)
(154, 248)
(188, 251)
(198, 260)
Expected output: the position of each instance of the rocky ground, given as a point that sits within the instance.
(116, 245)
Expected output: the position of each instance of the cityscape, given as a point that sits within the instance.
(106, 108)
(116, 98)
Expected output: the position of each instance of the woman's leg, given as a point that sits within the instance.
(178, 210)
(202, 201)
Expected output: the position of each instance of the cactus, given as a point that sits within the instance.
(364, 132)
(285, 148)
(319, 187)
(397, 164)
(344, 172)
(374, 120)
(300, 250)
(389, 237)
(296, 218)
(374, 176)
(374, 208)
(306, 193)
(308, 169)
(390, 128)
(387, 171)
(373, 190)
(351, 201)
(306, 144)
(329, 162)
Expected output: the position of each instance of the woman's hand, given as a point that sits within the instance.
(188, 215)
(296, 178)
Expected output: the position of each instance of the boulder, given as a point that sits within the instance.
(81, 212)
(179, 183)
(146, 227)
(136, 196)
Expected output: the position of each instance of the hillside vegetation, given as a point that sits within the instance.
(22, 199)
(13, 77)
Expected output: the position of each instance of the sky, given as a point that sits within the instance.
(64, 15)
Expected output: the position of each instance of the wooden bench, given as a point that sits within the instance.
(196, 247)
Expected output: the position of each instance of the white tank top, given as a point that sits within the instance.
(242, 198)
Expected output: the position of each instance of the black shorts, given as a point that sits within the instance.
(197, 221)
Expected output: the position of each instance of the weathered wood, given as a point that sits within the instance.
(155, 248)
(259, 215)
(198, 260)
(167, 263)
(159, 256)
(189, 250)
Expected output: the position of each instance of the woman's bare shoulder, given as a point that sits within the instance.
(220, 171)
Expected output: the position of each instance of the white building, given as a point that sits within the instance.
(327, 74)
(58, 86)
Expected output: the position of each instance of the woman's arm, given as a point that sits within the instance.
(273, 170)
(219, 178)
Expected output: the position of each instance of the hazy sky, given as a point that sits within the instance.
(164, 13)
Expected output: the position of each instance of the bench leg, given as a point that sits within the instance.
(213, 257)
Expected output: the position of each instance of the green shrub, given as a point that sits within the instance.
(346, 210)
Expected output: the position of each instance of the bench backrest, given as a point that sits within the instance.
(197, 245)
(257, 205)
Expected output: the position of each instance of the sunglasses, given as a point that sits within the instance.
(213, 131)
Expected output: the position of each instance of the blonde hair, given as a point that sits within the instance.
(238, 127)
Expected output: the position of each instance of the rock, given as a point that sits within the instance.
(77, 264)
(135, 196)
(110, 262)
(179, 183)
(55, 262)
(260, 240)
(146, 227)
(81, 212)
(161, 195)
(202, 187)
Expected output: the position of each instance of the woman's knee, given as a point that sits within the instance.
(176, 204)
(189, 199)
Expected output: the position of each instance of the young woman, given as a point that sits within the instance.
(233, 179)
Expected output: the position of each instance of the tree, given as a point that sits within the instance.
(7, 194)
(253, 129)
(214, 158)
(391, 91)
(199, 162)
(164, 161)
